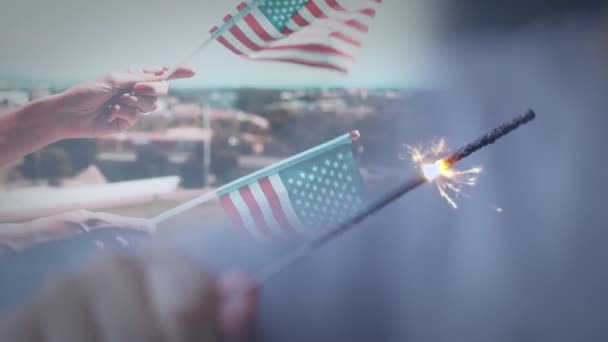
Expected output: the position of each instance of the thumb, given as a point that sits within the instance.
(125, 80)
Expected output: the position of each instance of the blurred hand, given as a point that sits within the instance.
(108, 104)
(112, 102)
(159, 297)
(15, 237)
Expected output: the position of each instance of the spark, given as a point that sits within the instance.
(449, 181)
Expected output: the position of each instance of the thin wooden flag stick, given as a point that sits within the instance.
(215, 34)
(188, 58)
(183, 208)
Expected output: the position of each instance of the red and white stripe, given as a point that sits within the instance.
(324, 34)
(263, 210)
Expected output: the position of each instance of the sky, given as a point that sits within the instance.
(72, 40)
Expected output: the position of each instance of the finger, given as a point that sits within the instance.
(145, 104)
(181, 72)
(238, 302)
(161, 88)
(106, 219)
(124, 113)
(151, 88)
(110, 125)
(126, 80)
(72, 216)
(148, 69)
(156, 70)
(117, 125)
(183, 298)
(115, 290)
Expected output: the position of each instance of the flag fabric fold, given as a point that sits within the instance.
(316, 189)
(317, 33)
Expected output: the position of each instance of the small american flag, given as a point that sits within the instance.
(315, 189)
(316, 33)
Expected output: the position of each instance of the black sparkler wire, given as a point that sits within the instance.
(279, 265)
(490, 138)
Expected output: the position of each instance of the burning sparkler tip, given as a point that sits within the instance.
(450, 181)
(431, 171)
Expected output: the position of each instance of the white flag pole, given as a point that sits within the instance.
(207, 146)
(220, 31)
(188, 58)
(182, 208)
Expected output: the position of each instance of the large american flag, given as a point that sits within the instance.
(300, 196)
(316, 33)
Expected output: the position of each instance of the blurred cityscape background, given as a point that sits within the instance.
(198, 139)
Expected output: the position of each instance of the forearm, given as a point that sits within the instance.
(17, 236)
(27, 129)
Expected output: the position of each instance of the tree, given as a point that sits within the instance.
(224, 163)
(151, 162)
(255, 100)
(192, 172)
(82, 153)
(72, 156)
(51, 164)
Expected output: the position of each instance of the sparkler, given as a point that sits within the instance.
(429, 172)
(441, 171)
